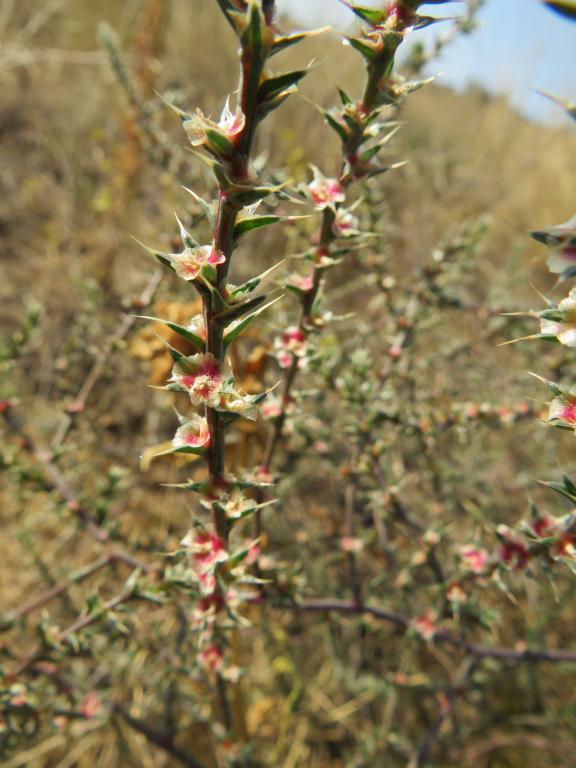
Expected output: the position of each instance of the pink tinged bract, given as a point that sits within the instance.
(193, 434)
(563, 409)
(474, 559)
(345, 224)
(203, 376)
(324, 192)
(189, 263)
(561, 258)
(231, 123)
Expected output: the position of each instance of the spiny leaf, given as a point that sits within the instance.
(371, 15)
(568, 106)
(336, 126)
(255, 222)
(367, 51)
(207, 208)
(285, 41)
(254, 282)
(240, 327)
(565, 8)
(163, 258)
(235, 311)
(274, 86)
(191, 337)
(344, 98)
(559, 488)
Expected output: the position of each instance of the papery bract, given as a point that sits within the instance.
(203, 377)
(564, 329)
(192, 434)
(188, 264)
(325, 192)
(474, 559)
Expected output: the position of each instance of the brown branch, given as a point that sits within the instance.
(421, 758)
(78, 405)
(52, 474)
(77, 578)
(82, 622)
(158, 738)
(476, 651)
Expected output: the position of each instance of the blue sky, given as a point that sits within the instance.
(520, 45)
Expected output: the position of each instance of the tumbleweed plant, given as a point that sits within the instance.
(298, 547)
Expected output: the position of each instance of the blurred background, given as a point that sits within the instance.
(89, 158)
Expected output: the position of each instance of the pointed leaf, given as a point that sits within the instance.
(254, 222)
(207, 208)
(336, 126)
(235, 311)
(285, 41)
(191, 337)
(274, 86)
(565, 8)
(240, 327)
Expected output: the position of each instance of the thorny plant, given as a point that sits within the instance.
(544, 535)
(219, 576)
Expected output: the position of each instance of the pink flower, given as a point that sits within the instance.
(272, 408)
(563, 410)
(513, 551)
(345, 224)
(545, 527)
(351, 545)
(284, 359)
(196, 326)
(294, 339)
(303, 283)
(474, 559)
(230, 125)
(425, 625)
(566, 546)
(324, 191)
(203, 376)
(192, 434)
(207, 551)
(455, 593)
(90, 706)
(211, 658)
(565, 329)
(292, 343)
(189, 263)
(562, 242)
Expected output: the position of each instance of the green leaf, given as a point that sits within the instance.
(195, 340)
(371, 15)
(163, 258)
(254, 282)
(219, 144)
(344, 98)
(565, 8)
(207, 208)
(559, 488)
(274, 86)
(336, 126)
(235, 311)
(255, 222)
(252, 37)
(189, 486)
(368, 154)
(286, 41)
(366, 50)
(240, 327)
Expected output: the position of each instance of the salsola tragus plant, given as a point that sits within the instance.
(544, 535)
